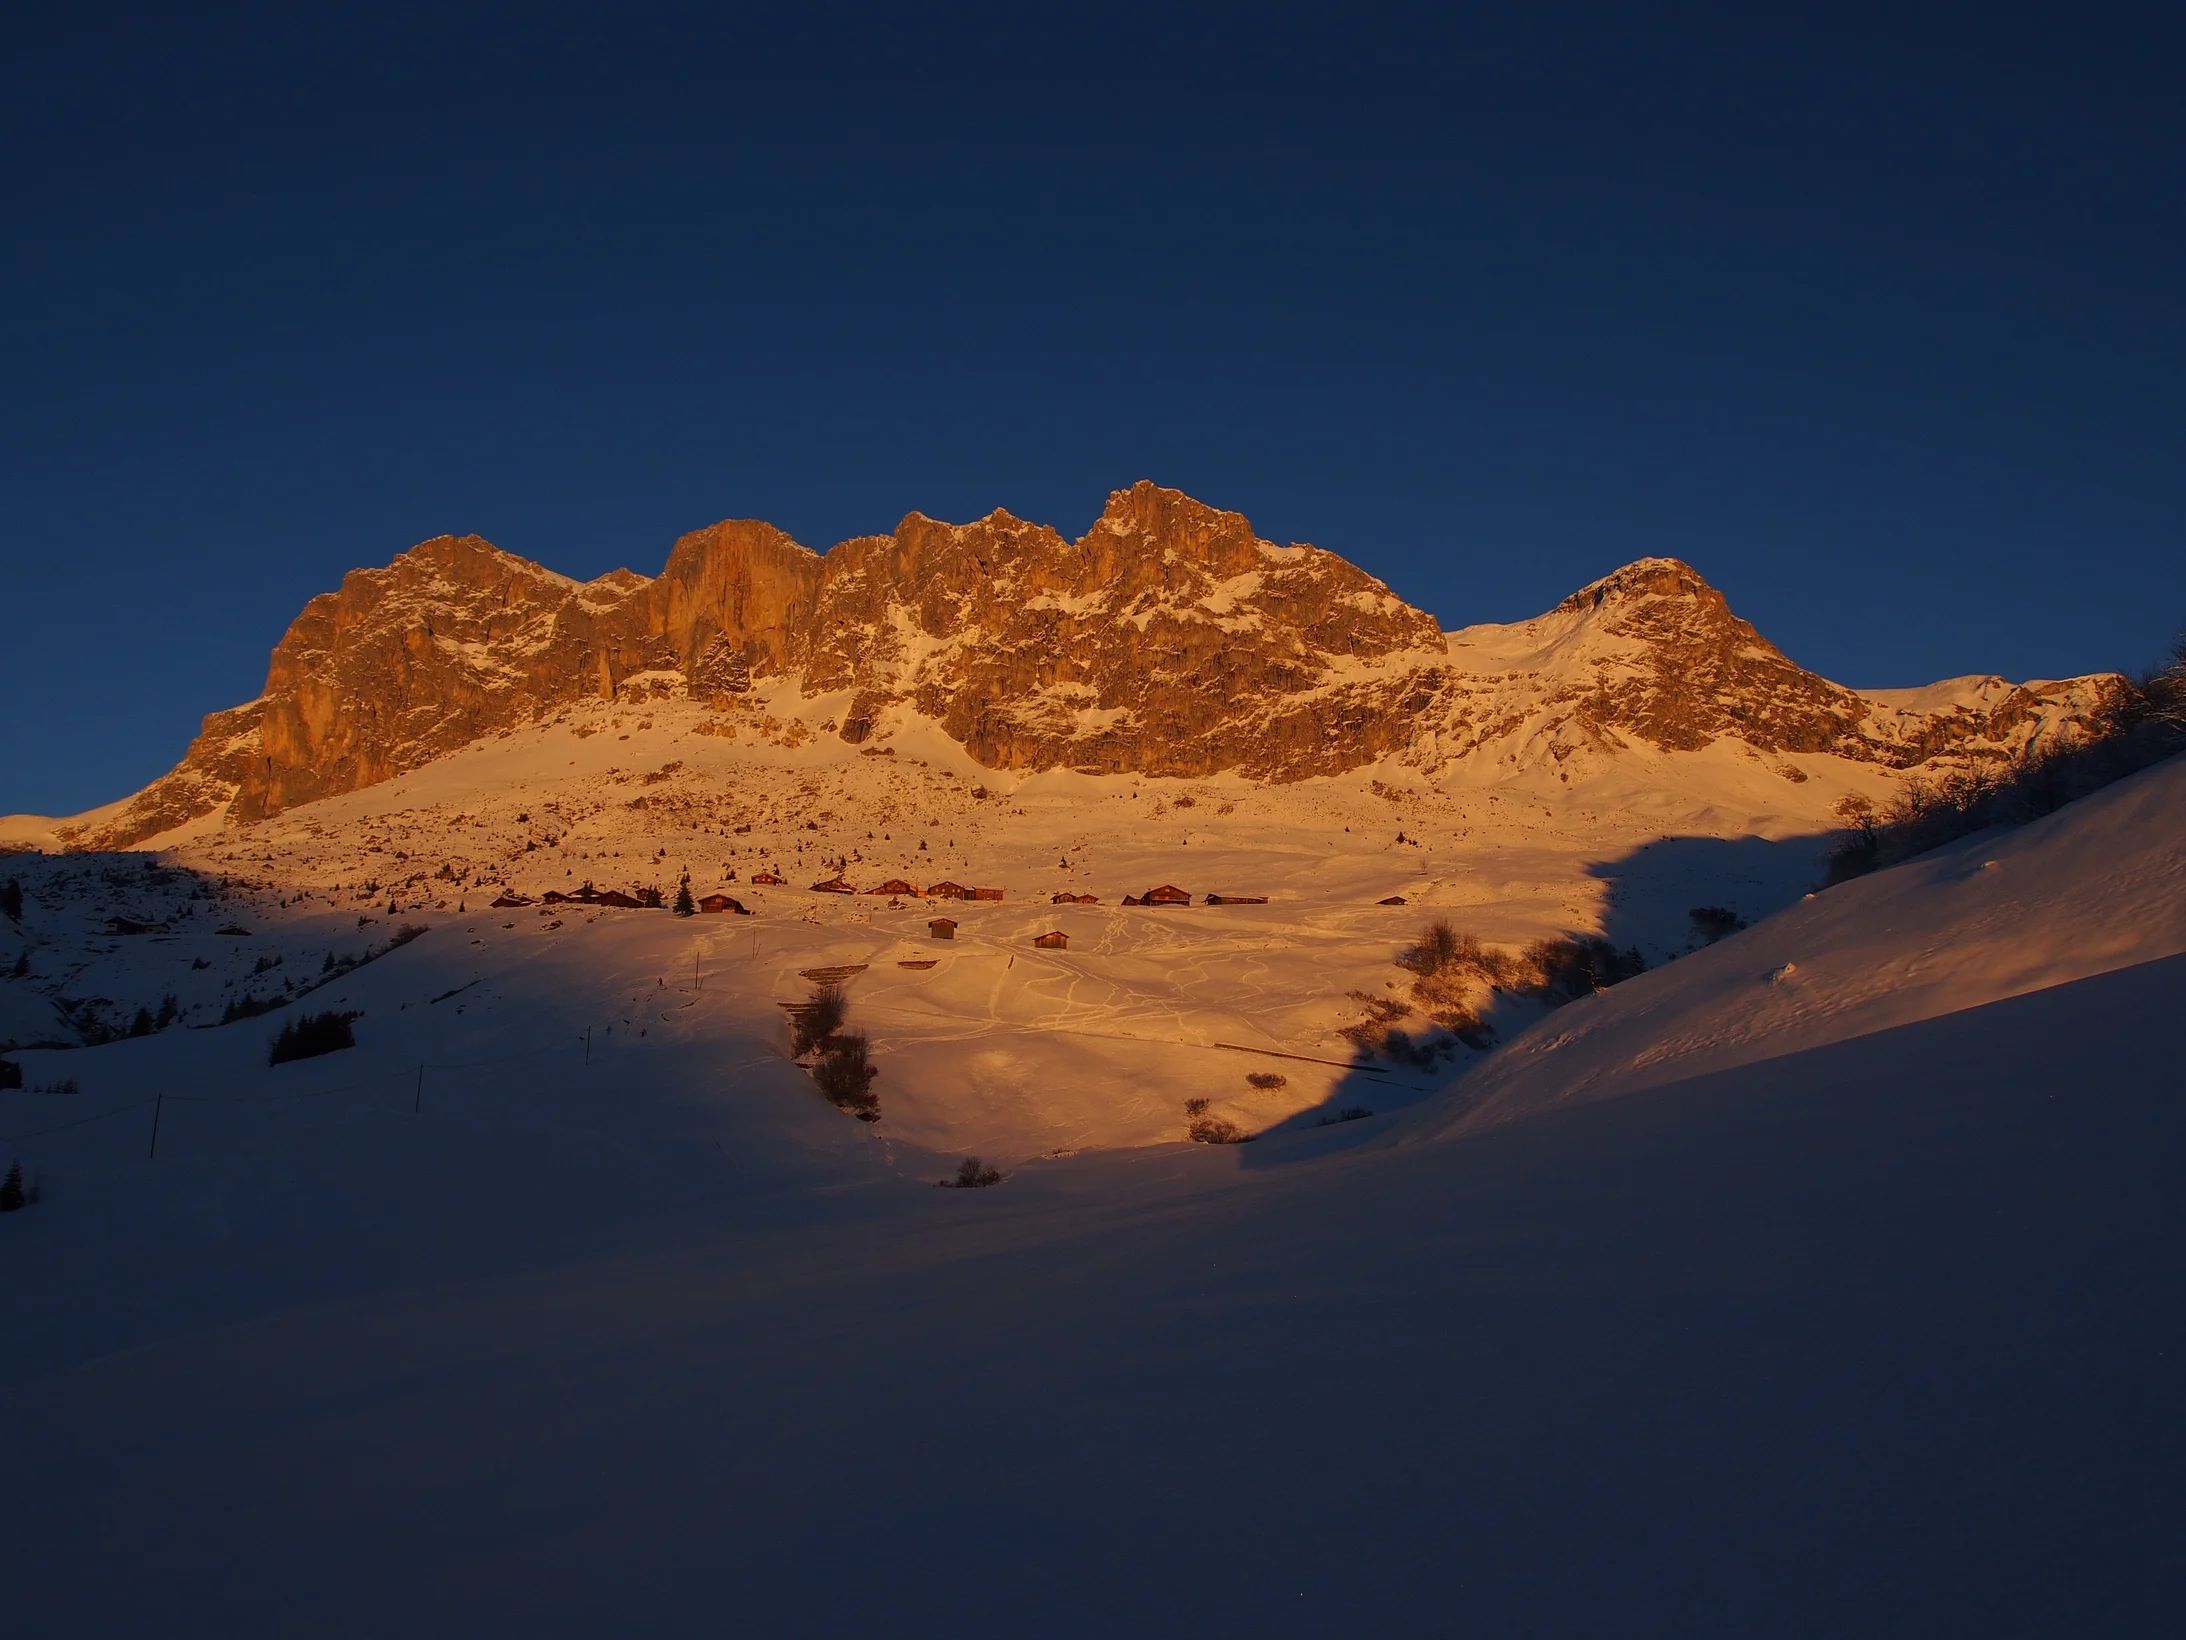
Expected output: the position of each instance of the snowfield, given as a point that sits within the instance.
(1825, 1280)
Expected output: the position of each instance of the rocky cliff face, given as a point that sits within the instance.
(1167, 640)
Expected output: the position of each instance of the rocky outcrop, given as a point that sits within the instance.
(1169, 639)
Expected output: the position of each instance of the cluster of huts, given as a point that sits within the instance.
(898, 888)
(1170, 894)
(894, 887)
(941, 928)
(645, 899)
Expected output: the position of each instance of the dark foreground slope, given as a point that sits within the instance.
(1884, 1337)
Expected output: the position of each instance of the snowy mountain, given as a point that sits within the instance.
(1822, 1281)
(1168, 641)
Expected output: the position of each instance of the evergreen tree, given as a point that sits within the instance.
(11, 899)
(11, 1189)
(683, 905)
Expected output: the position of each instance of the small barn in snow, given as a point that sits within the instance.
(942, 928)
(722, 902)
(1053, 940)
(1166, 894)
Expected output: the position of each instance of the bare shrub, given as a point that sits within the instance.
(1439, 949)
(817, 1020)
(1381, 1013)
(845, 1076)
(1214, 1130)
(1193, 1107)
(1267, 1081)
(1421, 1054)
(1573, 967)
(1350, 1113)
(1714, 922)
(970, 1175)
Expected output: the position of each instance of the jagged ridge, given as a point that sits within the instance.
(1168, 640)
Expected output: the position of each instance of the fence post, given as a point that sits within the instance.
(418, 1103)
(159, 1103)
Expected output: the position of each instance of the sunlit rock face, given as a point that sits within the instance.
(1652, 655)
(1169, 639)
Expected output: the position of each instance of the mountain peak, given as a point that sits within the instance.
(1645, 578)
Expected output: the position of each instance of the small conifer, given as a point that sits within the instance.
(11, 1189)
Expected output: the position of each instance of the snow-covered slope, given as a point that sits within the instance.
(1876, 1336)
(2098, 886)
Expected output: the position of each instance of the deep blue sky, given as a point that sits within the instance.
(1871, 313)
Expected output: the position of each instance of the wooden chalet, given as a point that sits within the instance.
(554, 896)
(984, 894)
(1075, 899)
(942, 928)
(834, 885)
(1053, 940)
(1237, 899)
(1394, 899)
(895, 885)
(948, 891)
(722, 902)
(618, 899)
(1166, 894)
(766, 878)
(508, 901)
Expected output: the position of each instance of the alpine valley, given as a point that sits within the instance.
(1431, 1150)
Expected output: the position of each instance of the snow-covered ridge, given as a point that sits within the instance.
(1168, 640)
